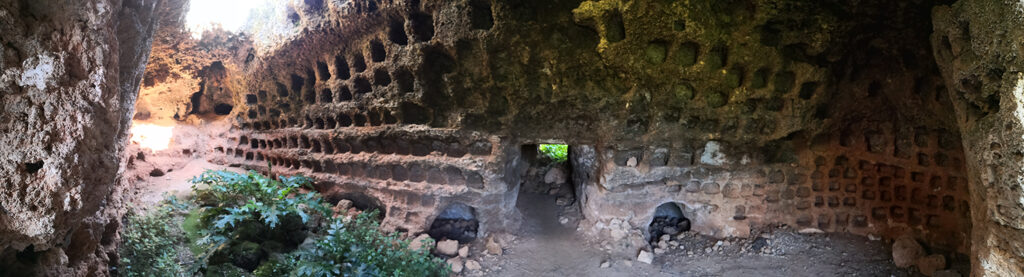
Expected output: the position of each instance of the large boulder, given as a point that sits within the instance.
(448, 247)
(247, 255)
(423, 241)
(906, 251)
(555, 175)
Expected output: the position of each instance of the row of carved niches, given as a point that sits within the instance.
(421, 146)
(869, 181)
(369, 81)
(410, 113)
(895, 178)
(399, 172)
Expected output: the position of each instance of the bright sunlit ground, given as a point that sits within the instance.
(152, 137)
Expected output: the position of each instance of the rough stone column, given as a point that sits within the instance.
(69, 80)
(977, 45)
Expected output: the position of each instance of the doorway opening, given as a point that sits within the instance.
(547, 196)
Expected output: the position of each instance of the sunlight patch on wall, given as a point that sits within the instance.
(230, 15)
(152, 137)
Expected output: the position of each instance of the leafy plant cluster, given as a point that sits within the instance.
(150, 244)
(246, 217)
(557, 153)
(356, 248)
(252, 225)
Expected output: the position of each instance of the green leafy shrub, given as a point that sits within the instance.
(243, 212)
(555, 152)
(149, 244)
(356, 247)
(252, 225)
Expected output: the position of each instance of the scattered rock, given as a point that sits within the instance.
(563, 201)
(928, 265)
(342, 208)
(906, 251)
(448, 247)
(456, 264)
(555, 175)
(631, 162)
(423, 241)
(472, 265)
(457, 226)
(811, 231)
(671, 230)
(493, 247)
(464, 251)
(645, 257)
(668, 225)
(606, 264)
(156, 172)
(344, 204)
(618, 234)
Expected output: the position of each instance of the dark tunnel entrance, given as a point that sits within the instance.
(457, 222)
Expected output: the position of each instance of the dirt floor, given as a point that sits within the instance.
(547, 248)
(174, 183)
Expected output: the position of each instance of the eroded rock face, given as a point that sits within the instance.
(746, 113)
(820, 115)
(70, 74)
(977, 46)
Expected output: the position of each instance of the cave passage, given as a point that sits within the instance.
(590, 137)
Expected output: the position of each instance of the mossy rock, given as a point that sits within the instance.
(252, 230)
(272, 246)
(225, 270)
(716, 99)
(656, 51)
(247, 255)
(683, 93)
(192, 225)
(273, 267)
(290, 232)
(205, 199)
(209, 215)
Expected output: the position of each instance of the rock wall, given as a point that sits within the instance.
(871, 117)
(976, 44)
(70, 77)
(749, 113)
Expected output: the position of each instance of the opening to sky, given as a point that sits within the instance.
(230, 15)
